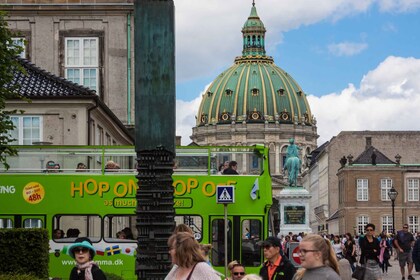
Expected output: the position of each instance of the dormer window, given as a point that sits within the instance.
(228, 92)
(255, 91)
(299, 93)
(280, 91)
(209, 93)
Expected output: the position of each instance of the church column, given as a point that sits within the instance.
(277, 148)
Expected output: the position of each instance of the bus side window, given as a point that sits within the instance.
(32, 223)
(119, 228)
(6, 223)
(195, 222)
(78, 226)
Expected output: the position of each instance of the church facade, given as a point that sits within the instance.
(256, 102)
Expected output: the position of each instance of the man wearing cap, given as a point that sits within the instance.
(277, 266)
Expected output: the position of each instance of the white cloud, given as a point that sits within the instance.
(208, 33)
(398, 5)
(186, 112)
(387, 99)
(347, 48)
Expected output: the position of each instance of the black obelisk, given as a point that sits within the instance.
(155, 133)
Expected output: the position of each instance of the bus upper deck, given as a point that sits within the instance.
(122, 159)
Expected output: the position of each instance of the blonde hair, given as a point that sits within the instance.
(206, 249)
(327, 253)
(232, 264)
(187, 249)
(183, 228)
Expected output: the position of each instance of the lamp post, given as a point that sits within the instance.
(392, 193)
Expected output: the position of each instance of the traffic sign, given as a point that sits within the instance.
(225, 194)
(294, 255)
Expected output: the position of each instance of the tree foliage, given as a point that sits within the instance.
(8, 66)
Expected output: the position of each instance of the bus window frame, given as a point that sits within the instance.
(56, 224)
(25, 217)
(8, 217)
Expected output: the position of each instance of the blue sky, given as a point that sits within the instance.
(358, 61)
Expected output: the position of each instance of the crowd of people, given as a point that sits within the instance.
(321, 257)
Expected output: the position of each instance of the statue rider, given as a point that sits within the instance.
(293, 162)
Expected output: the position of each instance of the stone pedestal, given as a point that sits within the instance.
(294, 210)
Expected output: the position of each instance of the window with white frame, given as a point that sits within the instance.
(99, 138)
(19, 41)
(362, 221)
(413, 189)
(28, 129)
(362, 190)
(387, 223)
(413, 224)
(82, 61)
(386, 185)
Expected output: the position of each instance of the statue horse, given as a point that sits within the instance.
(292, 166)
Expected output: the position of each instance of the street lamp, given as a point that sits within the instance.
(392, 193)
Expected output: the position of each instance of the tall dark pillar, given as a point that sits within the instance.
(155, 133)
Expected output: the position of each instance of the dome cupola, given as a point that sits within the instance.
(254, 89)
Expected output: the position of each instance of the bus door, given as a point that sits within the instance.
(246, 250)
(244, 232)
(22, 221)
(217, 240)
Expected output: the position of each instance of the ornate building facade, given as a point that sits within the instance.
(256, 102)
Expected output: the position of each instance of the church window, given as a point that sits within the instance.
(28, 129)
(255, 92)
(229, 92)
(362, 190)
(280, 91)
(386, 185)
(82, 61)
(283, 155)
(413, 189)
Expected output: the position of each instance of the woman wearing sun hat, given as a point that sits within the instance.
(83, 252)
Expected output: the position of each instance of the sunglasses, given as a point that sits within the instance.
(83, 250)
(238, 273)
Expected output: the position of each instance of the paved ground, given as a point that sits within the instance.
(395, 274)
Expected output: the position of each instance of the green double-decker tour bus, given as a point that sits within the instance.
(91, 191)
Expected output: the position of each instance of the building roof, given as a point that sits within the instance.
(372, 156)
(315, 153)
(38, 84)
(254, 89)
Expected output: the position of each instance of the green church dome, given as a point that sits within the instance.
(254, 89)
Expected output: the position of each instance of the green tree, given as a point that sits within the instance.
(8, 66)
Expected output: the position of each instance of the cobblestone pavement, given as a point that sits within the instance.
(395, 274)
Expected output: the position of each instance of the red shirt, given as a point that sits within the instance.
(271, 267)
